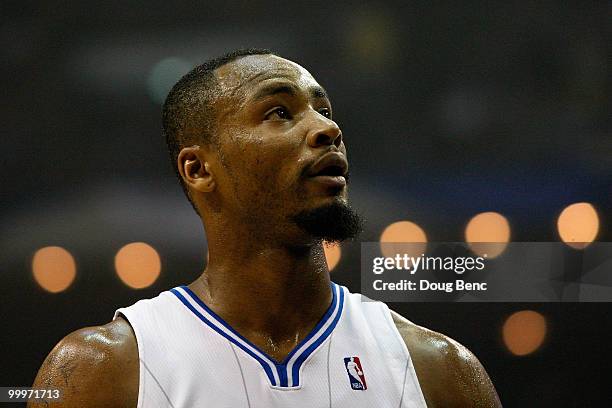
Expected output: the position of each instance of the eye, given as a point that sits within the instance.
(325, 112)
(279, 112)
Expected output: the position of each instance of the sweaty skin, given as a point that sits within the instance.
(98, 367)
(265, 276)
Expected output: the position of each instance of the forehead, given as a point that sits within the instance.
(245, 74)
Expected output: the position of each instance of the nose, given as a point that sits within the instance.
(324, 133)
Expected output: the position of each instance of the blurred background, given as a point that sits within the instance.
(463, 121)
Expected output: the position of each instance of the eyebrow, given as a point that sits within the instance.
(289, 89)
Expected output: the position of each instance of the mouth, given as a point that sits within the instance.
(330, 170)
(332, 181)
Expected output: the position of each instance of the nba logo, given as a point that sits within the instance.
(355, 373)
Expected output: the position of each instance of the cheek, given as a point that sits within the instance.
(269, 166)
(278, 154)
(267, 162)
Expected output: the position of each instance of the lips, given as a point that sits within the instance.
(330, 170)
(330, 165)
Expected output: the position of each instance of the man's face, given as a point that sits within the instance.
(282, 153)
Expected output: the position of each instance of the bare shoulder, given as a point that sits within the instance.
(93, 367)
(449, 374)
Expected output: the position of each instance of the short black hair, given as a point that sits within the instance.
(188, 114)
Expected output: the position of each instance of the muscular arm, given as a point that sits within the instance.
(93, 367)
(449, 374)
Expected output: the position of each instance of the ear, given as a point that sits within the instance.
(195, 169)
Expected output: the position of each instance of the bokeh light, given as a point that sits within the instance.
(371, 37)
(54, 268)
(578, 225)
(408, 237)
(488, 233)
(524, 332)
(138, 265)
(333, 252)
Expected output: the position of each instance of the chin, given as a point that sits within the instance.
(339, 199)
(332, 220)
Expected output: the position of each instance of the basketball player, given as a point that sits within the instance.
(262, 161)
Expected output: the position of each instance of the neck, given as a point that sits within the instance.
(271, 294)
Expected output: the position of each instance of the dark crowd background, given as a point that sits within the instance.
(448, 110)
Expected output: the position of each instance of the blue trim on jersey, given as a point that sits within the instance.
(300, 360)
(281, 368)
(265, 366)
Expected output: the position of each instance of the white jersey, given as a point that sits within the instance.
(190, 357)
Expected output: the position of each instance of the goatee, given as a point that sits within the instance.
(334, 222)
